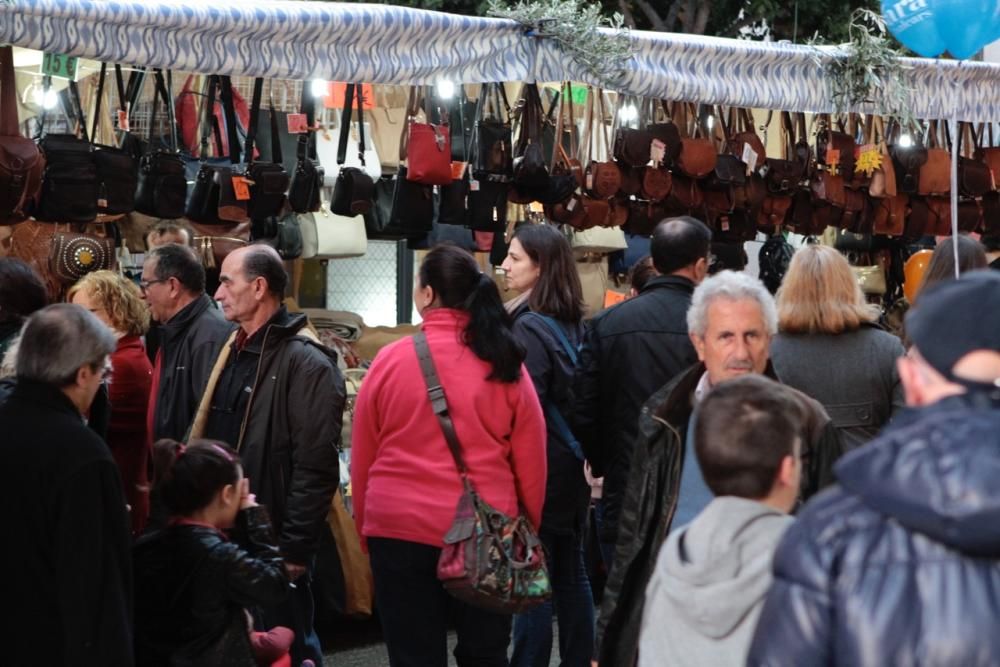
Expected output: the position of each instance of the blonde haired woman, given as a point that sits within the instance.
(118, 303)
(830, 347)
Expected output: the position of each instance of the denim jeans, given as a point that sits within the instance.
(296, 613)
(414, 609)
(573, 604)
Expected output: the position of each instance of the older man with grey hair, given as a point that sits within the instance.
(68, 562)
(731, 321)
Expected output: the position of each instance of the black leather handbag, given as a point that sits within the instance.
(161, 188)
(307, 178)
(403, 208)
(268, 180)
(354, 190)
(116, 168)
(492, 137)
(283, 233)
(69, 182)
(214, 199)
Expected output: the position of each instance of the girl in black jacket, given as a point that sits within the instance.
(547, 321)
(192, 579)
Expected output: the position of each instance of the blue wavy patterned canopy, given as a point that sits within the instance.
(388, 44)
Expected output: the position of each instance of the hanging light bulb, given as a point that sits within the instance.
(50, 99)
(318, 87)
(628, 113)
(710, 122)
(905, 141)
(445, 89)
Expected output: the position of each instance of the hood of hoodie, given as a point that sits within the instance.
(936, 473)
(717, 567)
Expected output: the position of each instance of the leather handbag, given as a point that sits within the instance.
(73, 255)
(598, 239)
(268, 180)
(857, 215)
(602, 179)
(698, 154)
(631, 146)
(214, 242)
(935, 173)
(530, 172)
(883, 181)
(786, 173)
(492, 159)
(424, 148)
(69, 181)
(338, 236)
(21, 162)
(489, 560)
(889, 215)
(668, 134)
(839, 141)
(773, 212)
(284, 234)
(974, 176)
(828, 188)
(304, 191)
(990, 155)
(906, 161)
(403, 208)
(741, 134)
(117, 177)
(970, 216)
(656, 183)
(213, 198)
(354, 191)
(161, 188)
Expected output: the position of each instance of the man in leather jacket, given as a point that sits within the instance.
(277, 396)
(899, 563)
(731, 321)
(191, 332)
(629, 351)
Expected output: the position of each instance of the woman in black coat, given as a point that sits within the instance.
(547, 321)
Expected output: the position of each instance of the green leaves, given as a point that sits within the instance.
(576, 26)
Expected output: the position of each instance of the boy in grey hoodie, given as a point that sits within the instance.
(706, 592)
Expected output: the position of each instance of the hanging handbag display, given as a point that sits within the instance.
(214, 242)
(161, 189)
(73, 255)
(990, 155)
(883, 181)
(698, 154)
(338, 236)
(69, 182)
(489, 560)
(214, 199)
(835, 149)
(786, 173)
(268, 180)
(602, 177)
(354, 190)
(402, 208)
(668, 134)
(492, 135)
(935, 173)
(424, 148)
(530, 172)
(741, 138)
(21, 162)
(304, 192)
(116, 169)
(632, 145)
(281, 233)
(889, 215)
(974, 176)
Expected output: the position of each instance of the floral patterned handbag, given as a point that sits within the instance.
(489, 560)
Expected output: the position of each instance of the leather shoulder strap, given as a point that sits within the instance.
(8, 94)
(439, 404)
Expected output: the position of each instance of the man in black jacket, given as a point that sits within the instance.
(899, 563)
(191, 334)
(277, 396)
(731, 320)
(68, 579)
(631, 350)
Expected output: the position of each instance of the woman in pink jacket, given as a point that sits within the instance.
(405, 483)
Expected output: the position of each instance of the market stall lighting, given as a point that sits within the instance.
(318, 87)
(905, 141)
(47, 99)
(445, 89)
(628, 113)
(710, 122)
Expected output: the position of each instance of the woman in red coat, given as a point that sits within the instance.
(117, 302)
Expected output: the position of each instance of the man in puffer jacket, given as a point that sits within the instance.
(899, 564)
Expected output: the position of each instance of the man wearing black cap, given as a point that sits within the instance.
(900, 562)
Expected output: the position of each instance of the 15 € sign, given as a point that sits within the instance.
(60, 66)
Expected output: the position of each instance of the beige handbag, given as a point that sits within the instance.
(337, 236)
(598, 239)
(593, 271)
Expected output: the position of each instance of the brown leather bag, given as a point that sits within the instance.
(975, 178)
(857, 215)
(841, 142)
(214, 242)
(73, 255)
(889, 215)
(656, 183)
(883, 181)
(698, 153)
(970, 216)
(773, 212)
(603, 180)
(685, 195)
(743, 134)
(991, 156)
(572, 212)
(632, 178)
(21, 163)
(935, 174)
(828, 188)
(34, 242)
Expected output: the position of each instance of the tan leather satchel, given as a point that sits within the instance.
(935, 174)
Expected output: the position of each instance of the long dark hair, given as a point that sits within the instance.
(557, 292)
(458, 283)
(971, 256)
(187, 477)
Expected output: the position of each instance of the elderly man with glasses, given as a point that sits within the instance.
(191, 333)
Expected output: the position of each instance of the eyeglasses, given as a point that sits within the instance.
(144, 284)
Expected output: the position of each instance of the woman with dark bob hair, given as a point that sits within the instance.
(547, 321)
(830, 347)
(404, 479)
(22, 292)
(971, 256)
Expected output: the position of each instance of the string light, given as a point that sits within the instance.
(445, 89)
(905, 141)
(628, 113)
(318, 87)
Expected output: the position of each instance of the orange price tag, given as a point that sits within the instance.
(457, 170)
(241, 188)
(612, 297)
(123, 120)
(832, 156)
(297, 123)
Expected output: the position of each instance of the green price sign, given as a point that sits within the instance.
(59, 66)
(579, 94)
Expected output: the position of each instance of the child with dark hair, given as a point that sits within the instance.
(215, 557)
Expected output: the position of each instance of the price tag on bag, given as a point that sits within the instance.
(123, 120)
(832, 157)
(749, 158)
(241, 188)
(657, 152)
(297, 123)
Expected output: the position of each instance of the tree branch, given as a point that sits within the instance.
(655, 20)
(627, 13)
(701, 20)
(675, 9)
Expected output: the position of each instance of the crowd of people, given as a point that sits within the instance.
(781, 481)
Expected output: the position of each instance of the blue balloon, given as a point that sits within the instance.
(913, 23)
(966, 26)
